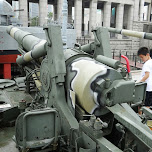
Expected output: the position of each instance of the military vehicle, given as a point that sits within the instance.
(76, 100)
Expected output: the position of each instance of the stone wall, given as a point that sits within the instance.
(147, 27)
(122, 46)
(129, 44)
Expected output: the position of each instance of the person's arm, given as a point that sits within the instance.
(145, 77)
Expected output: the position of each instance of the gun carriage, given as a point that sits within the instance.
(81, 97)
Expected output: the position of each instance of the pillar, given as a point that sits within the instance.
(107, 14)
(78, 17)
(149, 12)
(69, 11)
(141, 10)
(92, 16)
(119, 18)
(55, 12)
(43, 11)
(7, 71)
(59, 9)
(23, 15)
(136, 10)
(130, 18)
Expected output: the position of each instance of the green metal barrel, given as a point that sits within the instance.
(137, 34)
(34, 46)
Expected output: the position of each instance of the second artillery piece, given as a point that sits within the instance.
(81, 97)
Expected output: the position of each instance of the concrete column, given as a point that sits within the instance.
(119, 18)
(101, 17)
(78, 17)
(107, 14)
(43, 11)
(149, 12)
(23, 15)
(59, 9)
(136, 10)
(125, 18)
(92, 16)
(55, 12)
(141, 10)
(69, 11)
(130, 17)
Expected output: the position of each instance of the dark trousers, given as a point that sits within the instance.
(148, 100)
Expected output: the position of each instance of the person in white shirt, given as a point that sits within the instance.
(146, 74)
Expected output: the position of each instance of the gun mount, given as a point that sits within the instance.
(81, 97)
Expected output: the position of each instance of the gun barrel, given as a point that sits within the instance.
(137, 34)
(34, 46)
(108, 61)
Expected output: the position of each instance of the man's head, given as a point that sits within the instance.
(144, 54)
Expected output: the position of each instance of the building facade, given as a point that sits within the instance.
(127, 14)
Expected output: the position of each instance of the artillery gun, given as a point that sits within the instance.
(80, 97)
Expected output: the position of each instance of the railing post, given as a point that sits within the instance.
(135, 62)
(120, 56)
(133, 57)
(84, 39)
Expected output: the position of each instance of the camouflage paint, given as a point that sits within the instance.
(87, 71)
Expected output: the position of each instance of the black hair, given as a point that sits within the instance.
(143, 51)
(150, 53)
